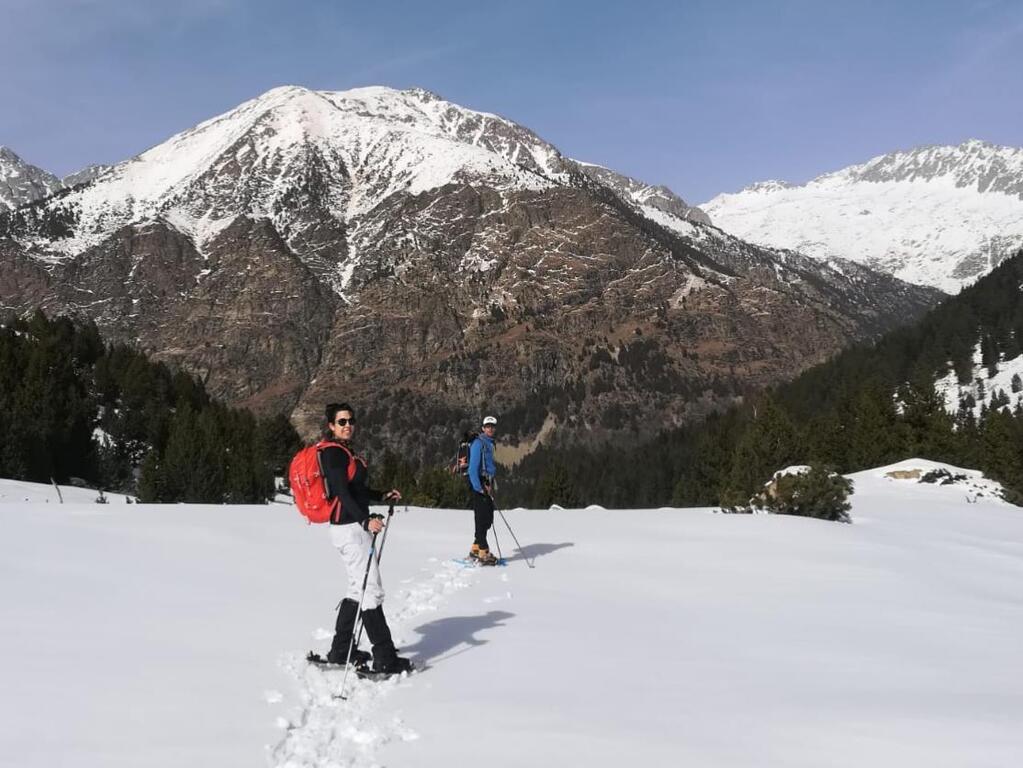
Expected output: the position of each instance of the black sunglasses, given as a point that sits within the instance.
(345, 422)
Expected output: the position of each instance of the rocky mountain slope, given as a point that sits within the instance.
(427, 261)
(21, 182)
(940, 216)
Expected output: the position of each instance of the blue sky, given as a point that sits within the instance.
(705, 97)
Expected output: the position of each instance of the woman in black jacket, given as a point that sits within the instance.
(352, 529)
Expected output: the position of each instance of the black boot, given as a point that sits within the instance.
(385, 657)
(343, 636)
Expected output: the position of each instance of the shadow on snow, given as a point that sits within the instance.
(532, 551)
(443, 635)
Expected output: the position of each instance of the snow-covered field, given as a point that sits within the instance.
(173, 636)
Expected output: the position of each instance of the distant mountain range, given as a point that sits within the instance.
(22, 183)
(940, 216)
(427, 261)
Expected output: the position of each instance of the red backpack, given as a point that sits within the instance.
(307, 485)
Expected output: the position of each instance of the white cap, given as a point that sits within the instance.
(489, 420)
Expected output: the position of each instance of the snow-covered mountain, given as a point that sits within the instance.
(21, 182)
(141, 635)
(462, 257)
(344, 152)
(274, 155)
(940, 215)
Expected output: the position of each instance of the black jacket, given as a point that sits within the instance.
(355, 495)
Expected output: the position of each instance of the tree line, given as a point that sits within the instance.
(74, 409)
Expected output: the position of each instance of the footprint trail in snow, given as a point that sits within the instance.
(327, 731)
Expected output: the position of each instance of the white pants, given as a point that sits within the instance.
(354, 543)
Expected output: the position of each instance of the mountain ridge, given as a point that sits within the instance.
(936, 215)
(428, 259)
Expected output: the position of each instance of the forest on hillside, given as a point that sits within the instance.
(74, 409)
(871, 405)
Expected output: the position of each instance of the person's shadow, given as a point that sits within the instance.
(439, 637)
(530, 552)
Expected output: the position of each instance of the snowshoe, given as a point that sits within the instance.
(486, 557)
(360, 660)
(465, 562)
(402, 666)
(394, 665)
(367, 673)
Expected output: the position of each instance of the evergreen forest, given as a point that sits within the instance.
(76, 410)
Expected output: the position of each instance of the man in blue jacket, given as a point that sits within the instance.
(481, 477)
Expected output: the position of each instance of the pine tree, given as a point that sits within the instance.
(279, 442)
(818, 492)
(989, 354)
(928, 425)
(1002, 448)
(769, 443)
(151, 485)
(874, 437)
(556, 487)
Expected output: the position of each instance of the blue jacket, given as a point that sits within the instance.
(481, 456)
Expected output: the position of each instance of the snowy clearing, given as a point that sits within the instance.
(173, 636)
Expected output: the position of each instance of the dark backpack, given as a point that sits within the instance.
(461, 463)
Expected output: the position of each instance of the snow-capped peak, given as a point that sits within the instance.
(352, 149)
(974, 164)
(21, 182)
(978, 164)
(361, 125)
(935, 215)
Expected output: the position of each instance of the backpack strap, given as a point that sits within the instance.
(335, 512)
(352, 458)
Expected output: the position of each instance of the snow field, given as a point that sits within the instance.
(174, 635)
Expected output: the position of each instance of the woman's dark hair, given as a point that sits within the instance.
(333, 409)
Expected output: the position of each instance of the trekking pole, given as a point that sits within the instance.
(352, 643)
(390, 514)
(390, 511)
(497, 541)
(491, 490)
